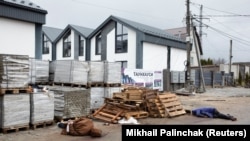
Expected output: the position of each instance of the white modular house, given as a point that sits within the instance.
(49, 46)
(21, 28)
(72, 42)
(136, 46)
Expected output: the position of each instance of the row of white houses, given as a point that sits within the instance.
(135, 45)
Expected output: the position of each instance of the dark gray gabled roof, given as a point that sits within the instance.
(138, 26)
(23, 10)
(148, 29)
(26, 4)
(83, 31)
(51, 32)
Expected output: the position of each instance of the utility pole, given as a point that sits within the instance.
(189, 89)
(230, 56)
(188, 44)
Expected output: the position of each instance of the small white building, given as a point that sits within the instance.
(21, 28)
(136, 46)
(72, 42)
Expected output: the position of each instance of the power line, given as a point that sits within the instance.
(222, 15)
(231, 13)
(219, 21)
(245, 42)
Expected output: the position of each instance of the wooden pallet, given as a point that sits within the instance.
(70, 85)
(112, 84)
(95, 84)
(15, 128)
(42, 124)
(171, 104)
(109, 113)
(137, 114)
(150, 94)
(153, 109)
(15, 90)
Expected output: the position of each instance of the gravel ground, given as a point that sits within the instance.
(228, 100)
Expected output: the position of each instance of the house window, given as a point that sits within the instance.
(81, 46)
(121, 39)
(98, 47)
(45, 45)
(67, 45)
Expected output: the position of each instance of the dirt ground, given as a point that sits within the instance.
(230, 100)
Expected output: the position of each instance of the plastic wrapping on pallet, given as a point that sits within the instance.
(70, 101)
(14, 71)
(96, 72)
(96, 97)
(109, 91)
(52, 70)
(39, 71)
(15, 110)
(42, 107)
(74, 72)
(112, 72)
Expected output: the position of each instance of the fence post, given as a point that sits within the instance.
(212, 78)
(223, 78)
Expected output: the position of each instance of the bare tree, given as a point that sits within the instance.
(219, 61)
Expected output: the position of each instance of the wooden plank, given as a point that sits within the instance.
(175, 103)
(15, 128)
(107, 115)
(175, 108)
(176, 113)
(162, 96)
(168, 100)
(97, 111)
(105, 119)
(137, 114)
(109, 111)
(15, 90)
(42, 124)
(118, 114)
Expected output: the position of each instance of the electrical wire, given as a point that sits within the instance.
(242, 41)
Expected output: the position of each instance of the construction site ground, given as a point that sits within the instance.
(228, 100)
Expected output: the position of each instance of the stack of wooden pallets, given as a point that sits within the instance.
(165, 105)
(139, 103)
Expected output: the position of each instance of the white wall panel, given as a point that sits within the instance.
(178, 58)
(154, 56)
(17, 37)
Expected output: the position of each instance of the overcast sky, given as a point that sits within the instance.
(226, 19)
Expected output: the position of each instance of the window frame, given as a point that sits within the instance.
(81, 45)
(123, 48)
(46, 41)
(98, 44)
(67, 45)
